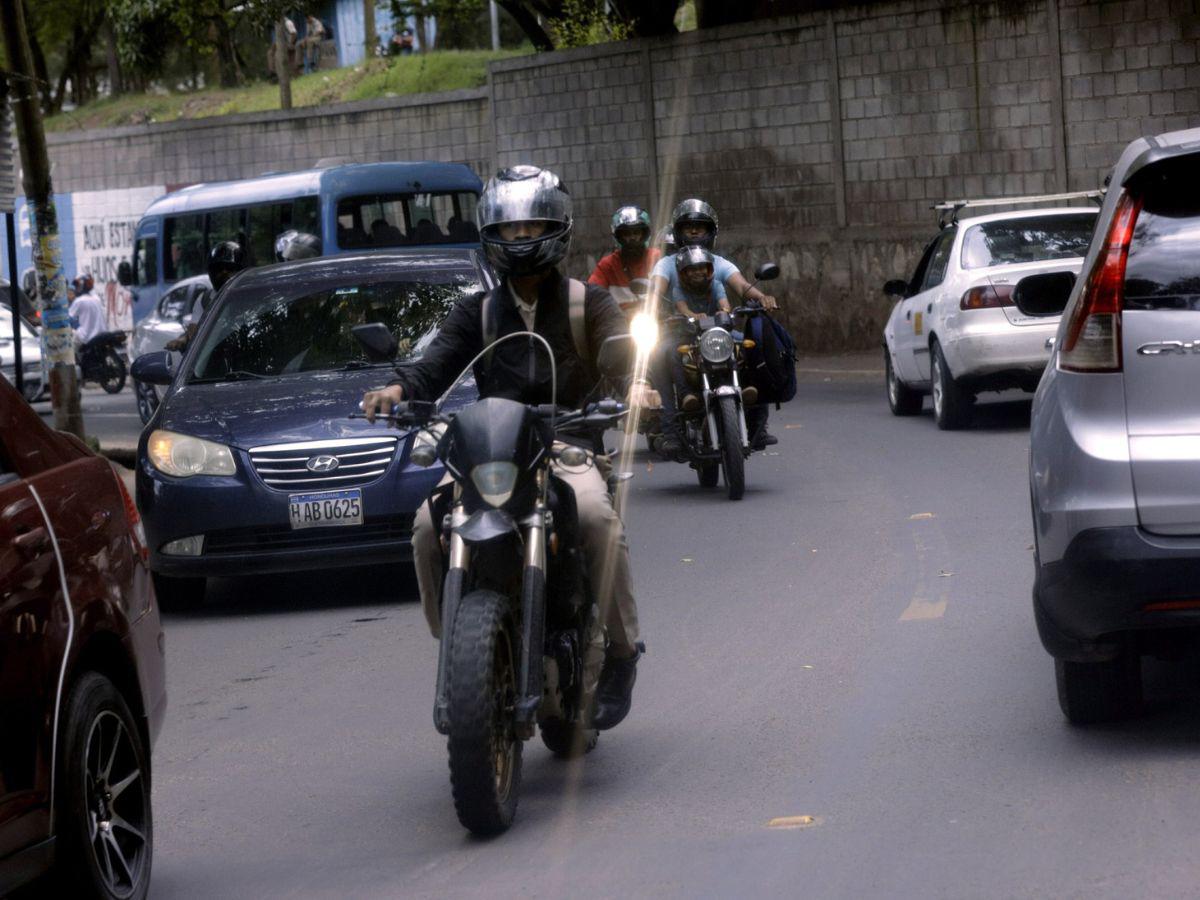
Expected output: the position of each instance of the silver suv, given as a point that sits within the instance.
(1114, 465)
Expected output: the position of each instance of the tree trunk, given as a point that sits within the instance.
(529, 24)
(422, 31)
(371, 40)
(116, 83)
(58, 341)
(283, 64)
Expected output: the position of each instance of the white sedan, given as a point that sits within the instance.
(955, 330)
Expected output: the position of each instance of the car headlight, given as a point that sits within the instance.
(495, 481)
(183, 456)
(716, 345)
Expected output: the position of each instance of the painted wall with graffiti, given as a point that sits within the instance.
(96, 231)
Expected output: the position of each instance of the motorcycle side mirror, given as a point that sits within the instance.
(124, 273)
(153, 368)
(768, 271)
(29, 283)
(896, 288)
(1044, 294)
(617, 355)
(379, 343)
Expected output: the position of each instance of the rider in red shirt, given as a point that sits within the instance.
(633, 259)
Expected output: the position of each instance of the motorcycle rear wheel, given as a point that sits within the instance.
(485, 753)
(112, 373)
(732, 461)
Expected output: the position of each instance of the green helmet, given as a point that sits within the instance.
(632, 217)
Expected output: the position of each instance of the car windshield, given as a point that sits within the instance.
(271, 333)
(1028, 239)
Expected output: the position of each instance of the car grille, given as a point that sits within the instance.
(251, 540)
(287, 467)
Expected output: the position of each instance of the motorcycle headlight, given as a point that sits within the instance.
(716, 345)
(644, 329)
(183, 456)
(495, 481)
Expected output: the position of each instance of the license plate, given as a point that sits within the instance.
(326, 508)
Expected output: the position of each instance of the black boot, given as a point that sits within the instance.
(614, 693)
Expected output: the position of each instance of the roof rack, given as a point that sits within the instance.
(955, 206)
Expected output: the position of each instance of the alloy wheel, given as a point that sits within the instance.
(938, 388)
(115, 793)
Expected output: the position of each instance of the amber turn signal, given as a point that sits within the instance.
(748, 344)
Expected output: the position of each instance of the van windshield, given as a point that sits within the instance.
(1027, 239)
(268, 333)
(398, 220)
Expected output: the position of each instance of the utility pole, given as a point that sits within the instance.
(495, 13)
(371, 40)
(58, 340)
(283, 61)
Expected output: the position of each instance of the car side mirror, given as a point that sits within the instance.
(617, 355)
(1044, 294)
(896, 288)
(153, 368)
(124, 273)
(768, 271)
(379, 343)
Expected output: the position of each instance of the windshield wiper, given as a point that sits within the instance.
(363, 364)
(235, 375)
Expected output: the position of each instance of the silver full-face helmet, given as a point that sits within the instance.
(524, 194)
(695, 211)
(635, 220)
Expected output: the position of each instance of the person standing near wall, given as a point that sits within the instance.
(314, 34)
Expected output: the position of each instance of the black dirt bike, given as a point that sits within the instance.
(521, 641)
(100, 360)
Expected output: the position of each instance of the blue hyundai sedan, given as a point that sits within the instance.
(251, 464)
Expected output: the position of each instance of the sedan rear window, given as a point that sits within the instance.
(1163, 268)
(270, 334)
(1028, 239)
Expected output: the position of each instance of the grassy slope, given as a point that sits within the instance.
(445, 70)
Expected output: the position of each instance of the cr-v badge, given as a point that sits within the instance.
(1161, 348)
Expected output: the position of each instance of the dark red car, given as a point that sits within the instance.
(82, 681)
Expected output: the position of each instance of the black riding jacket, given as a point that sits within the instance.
(517, 369)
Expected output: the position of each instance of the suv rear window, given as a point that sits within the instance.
(1028, 239)
(1163, 268)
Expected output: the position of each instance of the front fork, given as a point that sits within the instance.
(533, 617)
(734, 390)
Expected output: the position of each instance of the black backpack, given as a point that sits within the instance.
(772, 360)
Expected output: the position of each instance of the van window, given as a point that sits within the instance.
(267, 222)
(145, 261)
(184, 238)
(1163, 267)
(396, 220)
(225, 225)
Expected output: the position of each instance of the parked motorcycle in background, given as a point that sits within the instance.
(101, 360)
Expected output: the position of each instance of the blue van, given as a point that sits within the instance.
(349, 207)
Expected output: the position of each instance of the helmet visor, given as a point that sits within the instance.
(523, 194)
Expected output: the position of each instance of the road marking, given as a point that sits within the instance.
(793, 822)
(921, 608)
(790, 427)
(917, 516)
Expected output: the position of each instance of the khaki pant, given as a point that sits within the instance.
(605, 550)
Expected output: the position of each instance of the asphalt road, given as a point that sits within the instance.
(112, 418)
(853, 642)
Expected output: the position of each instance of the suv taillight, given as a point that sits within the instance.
(1093, 337)
(987, 296)
(137, 533)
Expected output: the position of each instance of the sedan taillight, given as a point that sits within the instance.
(1093, 335)
(987, 296)
(137, 533)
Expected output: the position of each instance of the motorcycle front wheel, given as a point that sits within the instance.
(485, 753)
(732, 461)
(112, 373)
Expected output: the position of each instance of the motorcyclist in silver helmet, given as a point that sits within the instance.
(525, 222)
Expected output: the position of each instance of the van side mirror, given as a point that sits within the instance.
(616, 356)
(897, 287)
(124, 273)
(153, 368)
(379, 343)
(768, 271)
(1044, 294)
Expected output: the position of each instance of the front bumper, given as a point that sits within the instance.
(247, 528)
(1113, 581)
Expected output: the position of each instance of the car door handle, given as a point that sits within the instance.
(928, 307)
(32, 542)
(908, 315)
(1050, 343)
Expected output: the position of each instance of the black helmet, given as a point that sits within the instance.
(293, 244)
(225, 260)
(697, 211)
(632, 217)
(693, 256)
(524, 194)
